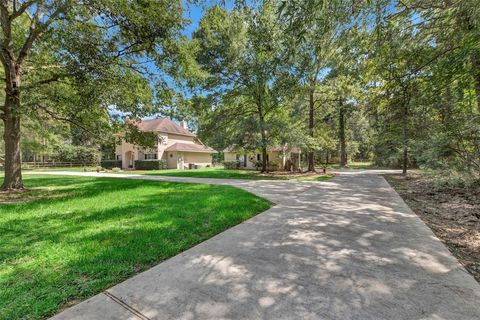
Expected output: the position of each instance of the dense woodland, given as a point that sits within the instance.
(394, 82)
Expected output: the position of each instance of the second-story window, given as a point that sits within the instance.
(150, 156)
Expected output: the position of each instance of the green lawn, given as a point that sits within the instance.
(75, 236)
(217, 173)
(353, 165)
(212, 172)
(320, 177)
(76, 169)
(221, 173)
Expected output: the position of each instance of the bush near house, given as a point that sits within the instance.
(150, 164)
(110, 164)
(231, 165)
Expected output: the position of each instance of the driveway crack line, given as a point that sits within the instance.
(126, 306)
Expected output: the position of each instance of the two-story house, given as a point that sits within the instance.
(177, 146)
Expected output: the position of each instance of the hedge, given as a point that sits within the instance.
(231, 165)
(109, 164)
(150, 164)
(77, 154)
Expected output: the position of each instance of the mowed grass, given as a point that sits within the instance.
(212, 172)
(75, 236)
(75, 169)
(318, 177)
(221, 173)
(354, 165)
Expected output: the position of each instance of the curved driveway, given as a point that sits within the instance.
(348, 248)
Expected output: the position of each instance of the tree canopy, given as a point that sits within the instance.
(395, 82)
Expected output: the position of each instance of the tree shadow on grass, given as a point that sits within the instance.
(69, 255)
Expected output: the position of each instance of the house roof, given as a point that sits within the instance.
(190, 147)
(163, 125)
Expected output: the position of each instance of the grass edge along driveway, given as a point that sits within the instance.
(212, 172)
(70, 238)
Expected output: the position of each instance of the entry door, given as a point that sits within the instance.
(131, 160)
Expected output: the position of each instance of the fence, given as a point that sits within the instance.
(54, 164)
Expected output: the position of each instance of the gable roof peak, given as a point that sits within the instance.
(163, 125)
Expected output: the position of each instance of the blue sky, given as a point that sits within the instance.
(194, 12)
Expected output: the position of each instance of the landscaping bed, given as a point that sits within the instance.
(68, 238)
(453, 214)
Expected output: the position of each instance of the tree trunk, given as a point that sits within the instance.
(475, 58)
(11, 137)
(264, 159)
(261, 119)
(405, 138)
(341, 135)
(264, 145)
(311, 123)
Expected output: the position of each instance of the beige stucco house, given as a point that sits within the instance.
(176, 145)
(278, 158)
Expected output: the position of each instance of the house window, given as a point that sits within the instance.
(259, 157)
(119, 157)
(150, 156)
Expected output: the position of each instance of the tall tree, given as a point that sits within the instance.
(241, 53)
(317, 31)
(86, 48)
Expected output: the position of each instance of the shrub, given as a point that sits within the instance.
(109, 164)
(150, 164)
(452, 179)
(273, 166)
(78, 154)
(231, 165)
(116, 169)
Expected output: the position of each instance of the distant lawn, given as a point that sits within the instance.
(216, 173)
(77, 169)
(69, 238)
(355, 165)
(320, 177)
(221, 173)
(212, 172)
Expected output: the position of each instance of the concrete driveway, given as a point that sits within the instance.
(348, 248)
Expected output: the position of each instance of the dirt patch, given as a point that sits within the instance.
(452, 214)
(12, 197)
